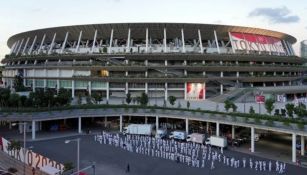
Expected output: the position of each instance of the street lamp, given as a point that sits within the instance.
(24, 144)
(78, 151)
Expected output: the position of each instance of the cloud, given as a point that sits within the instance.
(306, 27)
(275, 15)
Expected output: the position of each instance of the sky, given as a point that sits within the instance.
(287, 16)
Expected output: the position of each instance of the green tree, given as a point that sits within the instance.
(128, 98)
(97, 97)
(63, 97)
(251, 110)
(172, 100)
(4, 96)
(14, 100)
(144, 99)
(300, 110)
(234, 107)
(290, 109)
(269, 105)
(18, 83)
(227, 105)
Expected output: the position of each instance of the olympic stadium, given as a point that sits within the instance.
(188, 61)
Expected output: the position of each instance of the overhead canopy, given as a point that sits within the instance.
(138, 31)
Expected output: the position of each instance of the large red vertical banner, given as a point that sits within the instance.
(195, 91)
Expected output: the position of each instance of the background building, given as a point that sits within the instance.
(304, 49)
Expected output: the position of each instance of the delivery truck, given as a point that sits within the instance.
(140, 129)
(161, 133)
(178, 135)
(196, 137)
(216, 141)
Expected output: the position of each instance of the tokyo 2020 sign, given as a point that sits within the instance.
(195, 91)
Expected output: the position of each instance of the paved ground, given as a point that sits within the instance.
(111, 160)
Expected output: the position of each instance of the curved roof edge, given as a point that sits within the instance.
(122, 26)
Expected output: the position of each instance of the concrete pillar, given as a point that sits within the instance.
(157, 123)
(33, 130)
(217, 129)
(105, 121)
(120, 123)
(302, 146)
(232, 131)
(146, 120)
(79, 125)
(187, 126)
(207, 127)
(293, 147)
(252, 139)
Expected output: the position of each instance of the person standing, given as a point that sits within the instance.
(128, 168)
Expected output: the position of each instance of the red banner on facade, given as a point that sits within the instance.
(260, 99)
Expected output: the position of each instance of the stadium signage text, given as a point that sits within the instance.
(258, 43)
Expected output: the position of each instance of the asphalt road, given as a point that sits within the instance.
(112, 160)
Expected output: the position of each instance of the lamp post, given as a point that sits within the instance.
(78, 151)
(24, 144)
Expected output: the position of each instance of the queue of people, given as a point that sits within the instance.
(189, 153)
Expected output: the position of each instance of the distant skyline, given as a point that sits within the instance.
(287, 16)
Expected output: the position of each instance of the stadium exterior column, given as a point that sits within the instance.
(128, 41)
(166, 93)
(146, 119)
(20, 46)
(302, 145)
(42, 43)
(15, 47)
(89, 88)
(24, 75)
(45, 74)
(146, 49)
(207, 126)
(157, 123)
(108, 91)
(217, 128)
(121, 123)
(233, 131)
(33, 82)
(94, 41)
(164, 39)
(216, 42)
(293, 147)
(32, 45)
(221, 89)
(252, 139)
(33, 130)
(64, 42)
(187, 125)
(182, 38)
(52, 43)
(200, 42)
(185, 90)
(72, 88)
(111, 40)
(146, 88)
(26, 45)
(79, 125)
(79, 40)
(232, 44)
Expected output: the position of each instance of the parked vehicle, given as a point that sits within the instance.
(179, 135)
(161, 133)
(140, 129)
(217, 141)
(196, 137)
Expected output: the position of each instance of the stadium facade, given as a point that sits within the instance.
(190, 61)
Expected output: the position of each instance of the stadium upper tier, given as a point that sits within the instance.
(119, 38)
